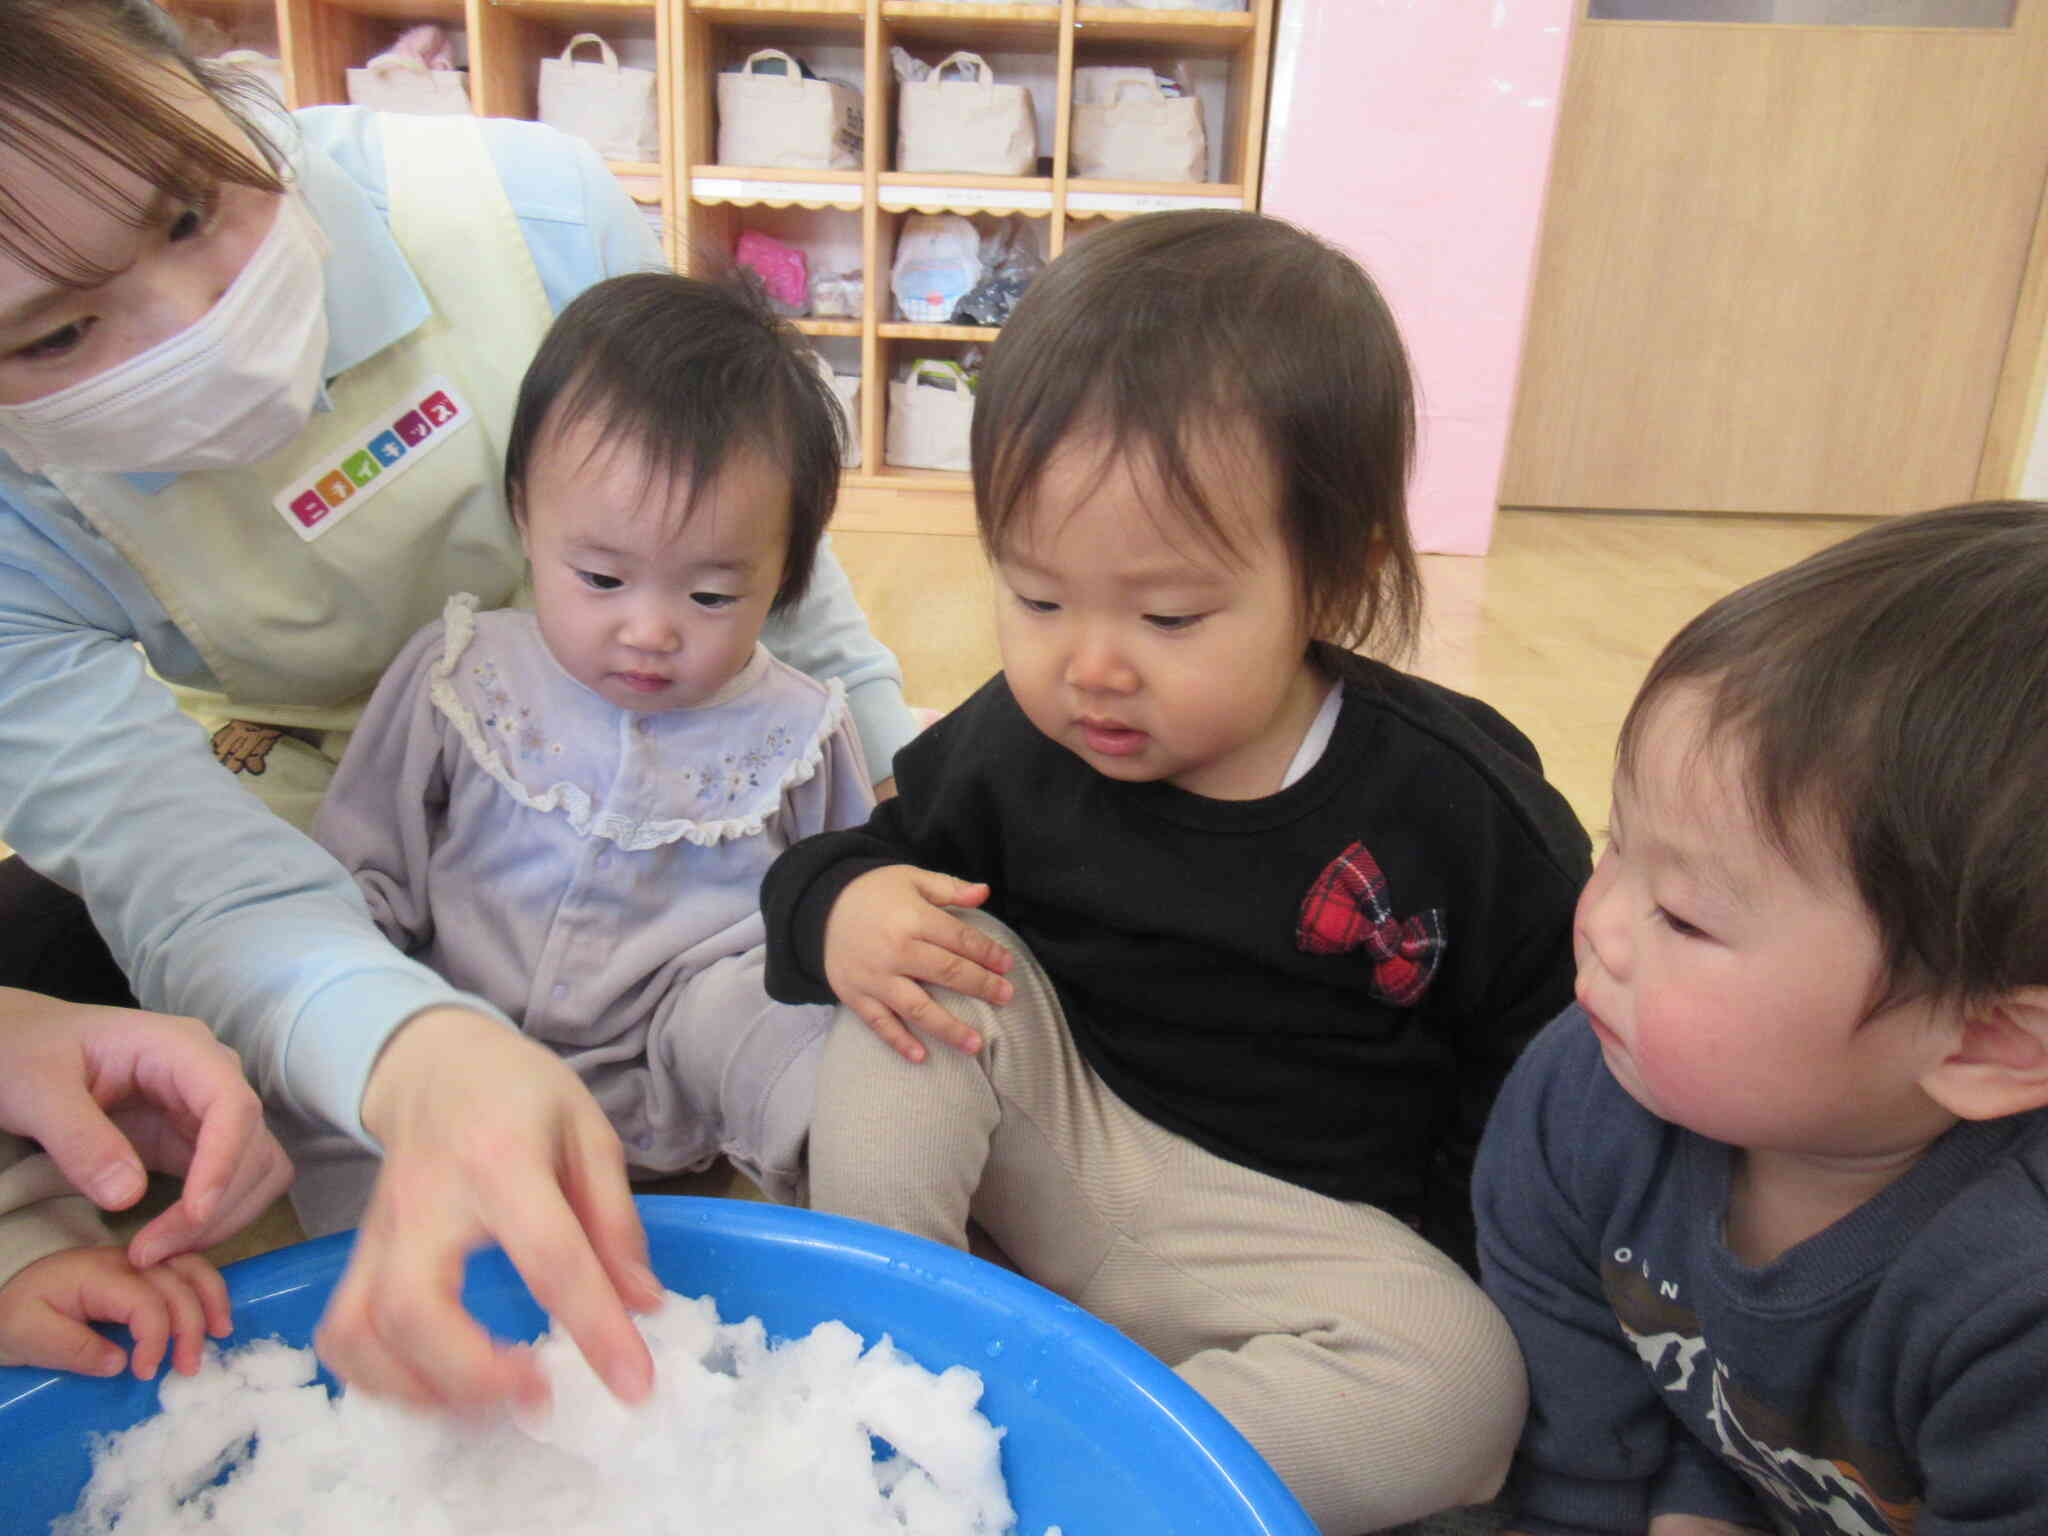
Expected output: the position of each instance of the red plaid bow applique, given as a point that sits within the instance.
(1347, 910)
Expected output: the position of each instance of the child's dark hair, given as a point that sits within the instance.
(1168, 326)
(690, 371)
(94, 71)
(1891, 693)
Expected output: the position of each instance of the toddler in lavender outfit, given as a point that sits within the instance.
(568, 811)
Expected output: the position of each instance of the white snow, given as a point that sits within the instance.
(741, 1437)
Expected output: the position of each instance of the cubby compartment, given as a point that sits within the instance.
(239, 32)
(830, 241)
(938, 438)
(828, 41)
(513, 37)
(1217, 57)
(1021, 47)
(324, 39)
(1012, 245)
(215, 27)
(510, 39)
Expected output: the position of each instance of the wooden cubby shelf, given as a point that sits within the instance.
(703, 205)
(908, 193)
(918, 330)
(1188, 31)
(780, 10)
(743, 186)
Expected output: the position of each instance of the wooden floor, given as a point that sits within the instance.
(1554, 628)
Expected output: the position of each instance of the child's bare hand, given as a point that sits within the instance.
(46, 1310)
(889, 936)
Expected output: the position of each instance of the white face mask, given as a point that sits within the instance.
(232, 388)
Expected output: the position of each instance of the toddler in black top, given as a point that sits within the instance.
(1237, 931)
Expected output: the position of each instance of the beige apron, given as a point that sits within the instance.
(298, 579)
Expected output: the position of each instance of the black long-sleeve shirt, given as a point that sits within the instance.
(1204, 980)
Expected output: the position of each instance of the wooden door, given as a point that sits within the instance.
(1781, 265)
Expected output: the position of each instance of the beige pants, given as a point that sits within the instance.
(1373, 1375)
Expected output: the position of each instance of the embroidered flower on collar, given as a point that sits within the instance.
(514, 721)
(564, 756)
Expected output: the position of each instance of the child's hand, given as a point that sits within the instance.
(889, 932)
(45, 1310)
(112, 1091)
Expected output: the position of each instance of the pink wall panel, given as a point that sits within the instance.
(1417, 135)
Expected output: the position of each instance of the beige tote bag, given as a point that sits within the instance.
(971, 127)
(931, 415)
(847, 387)
(1126, 128)
(610, 106)
(786, 120)
(397, 82)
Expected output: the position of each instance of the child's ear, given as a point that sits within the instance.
(1999, 1064)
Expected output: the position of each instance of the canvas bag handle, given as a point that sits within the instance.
(609, 59)
(791, 70)
(981, 74)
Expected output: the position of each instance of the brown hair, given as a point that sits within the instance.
(93, 74)
(690, 371)
(1170, 325)
(1892, 694)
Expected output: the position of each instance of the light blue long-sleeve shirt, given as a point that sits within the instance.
(214, 906)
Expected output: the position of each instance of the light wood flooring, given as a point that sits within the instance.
(1554, 628)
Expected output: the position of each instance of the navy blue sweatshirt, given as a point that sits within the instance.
(1888, 1375)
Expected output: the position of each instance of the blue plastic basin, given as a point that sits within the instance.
(1102, 1439)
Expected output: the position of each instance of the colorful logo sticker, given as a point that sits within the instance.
(416, 424)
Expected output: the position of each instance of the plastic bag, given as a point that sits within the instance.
(938, 259)
(1009, 262)
(837, 295)
(783, 270)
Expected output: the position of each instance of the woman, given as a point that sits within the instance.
(254, 372)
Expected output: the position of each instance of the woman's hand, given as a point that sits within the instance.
(111, 1092)
(487, 1137)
